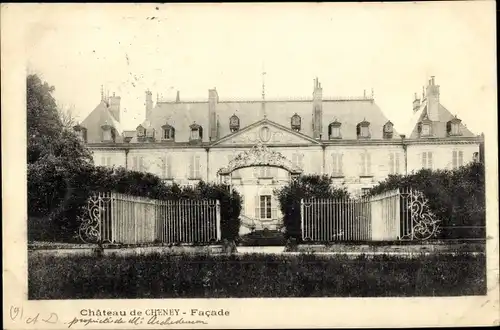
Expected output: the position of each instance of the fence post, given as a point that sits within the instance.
(217, 210)
(302, 218)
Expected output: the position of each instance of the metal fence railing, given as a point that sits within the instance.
(118, 218)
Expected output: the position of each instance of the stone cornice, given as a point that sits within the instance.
(322, 143)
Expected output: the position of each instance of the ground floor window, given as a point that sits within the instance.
(265, 207)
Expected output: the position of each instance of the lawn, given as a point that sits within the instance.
(223, 276)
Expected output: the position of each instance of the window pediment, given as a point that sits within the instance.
(363, 130)
(196, 132)
(334, 130)
(168, 132)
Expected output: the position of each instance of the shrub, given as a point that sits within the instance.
(254, 275)
(304, 187)
(456, 197)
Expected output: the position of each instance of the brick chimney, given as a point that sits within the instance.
(213, 99)
(114, 106)
(432, 95)
(149, 104)
(317, 109)
(416, 103)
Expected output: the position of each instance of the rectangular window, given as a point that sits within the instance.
(265, 207)
(393, 163)
(108, 162)
(427, 160)
(194, 134)
(166, 167)
(103, 161)
(134, 164)
(457, 159)
(365, 164)
(106, 135)
(194, 167)
(142, 166)
(337, 164)
(335, 132)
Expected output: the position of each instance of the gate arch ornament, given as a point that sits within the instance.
(424, 223)
(260, 155)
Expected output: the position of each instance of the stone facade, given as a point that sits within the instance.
(189, 141)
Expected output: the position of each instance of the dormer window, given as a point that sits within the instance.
(388, 130)
(334, 130)
(295, 122)
(81, 132)
(453, 127)
(234, 123)
(196, 132)
(141, 131)
(108, 133)
(168, 132)
(363, 130)
(425, 127)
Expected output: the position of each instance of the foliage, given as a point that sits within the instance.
(254, 275)
(456, 197)
(61, 175)
(304, 187)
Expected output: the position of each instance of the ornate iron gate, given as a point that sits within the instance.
(119, 218)
(393, 215)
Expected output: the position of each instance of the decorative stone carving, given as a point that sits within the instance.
(260, 155)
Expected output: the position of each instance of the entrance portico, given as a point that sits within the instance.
(255, 174)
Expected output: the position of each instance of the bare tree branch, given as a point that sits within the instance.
(67, 115)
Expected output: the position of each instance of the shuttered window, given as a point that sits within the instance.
(394, 163)
(337, 164)
(427, 160)
(365, 164)
(194, 167)
(457, 159)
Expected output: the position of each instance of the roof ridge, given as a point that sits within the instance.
(274, 99)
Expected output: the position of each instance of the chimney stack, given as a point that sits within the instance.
(178, 97)
(416, 103)
(432, 95)
(213, 99)
(149, 104)
(114, 106)
(317, 109)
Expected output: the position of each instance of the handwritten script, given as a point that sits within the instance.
(17, 314)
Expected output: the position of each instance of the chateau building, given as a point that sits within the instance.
(258, 145)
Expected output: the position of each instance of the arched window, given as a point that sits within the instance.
(168, 132)
(453, 127)
(234, 123)
(196, 132)
(388, 130)
(363, 130)
(334, 130)
(295, 122)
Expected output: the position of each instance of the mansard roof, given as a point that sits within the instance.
(348, 111)
(438, 128)
(96, 119)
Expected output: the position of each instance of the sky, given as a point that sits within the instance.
(392, 48)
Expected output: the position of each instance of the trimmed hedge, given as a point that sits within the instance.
(303, 187)
(456, 197)
(65, 190)
(205, 276)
